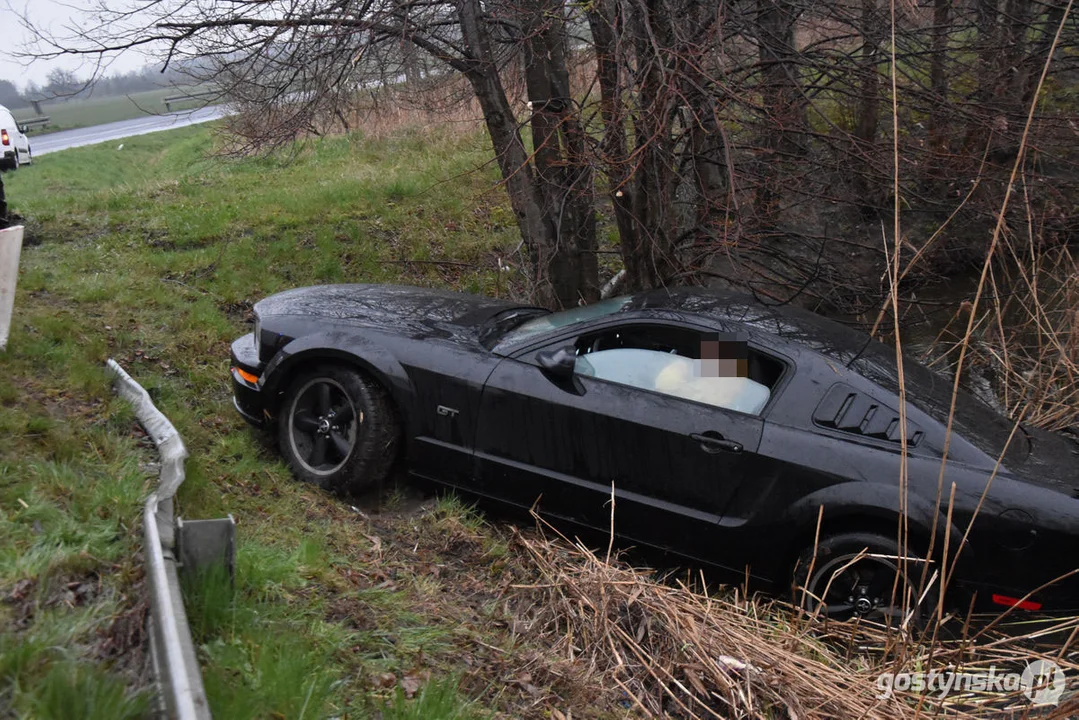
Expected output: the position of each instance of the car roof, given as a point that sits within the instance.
(828, 337)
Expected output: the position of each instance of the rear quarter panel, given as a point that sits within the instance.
(849, 476)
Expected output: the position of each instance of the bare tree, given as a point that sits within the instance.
(738, 139)
(294, 60)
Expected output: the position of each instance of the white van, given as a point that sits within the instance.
(14, 145)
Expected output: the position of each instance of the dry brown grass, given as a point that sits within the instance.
(444, 105)
(662, 649)
(447, 106)
(1032, 337)
(1029, 327)
(1026, 336)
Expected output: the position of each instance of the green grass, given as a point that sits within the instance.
(81, 692)
(152, 255)
(438, 699)
(79, 113)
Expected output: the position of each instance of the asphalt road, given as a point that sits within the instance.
(66, 139)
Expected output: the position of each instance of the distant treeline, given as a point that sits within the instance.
(62, 85)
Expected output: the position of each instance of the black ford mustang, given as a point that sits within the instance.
(515, 403)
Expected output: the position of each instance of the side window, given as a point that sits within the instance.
(681, 363)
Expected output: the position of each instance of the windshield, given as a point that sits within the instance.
(546, 323)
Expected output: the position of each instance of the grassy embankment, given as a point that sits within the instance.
(338, 611)
(143, 256)
(71, 114)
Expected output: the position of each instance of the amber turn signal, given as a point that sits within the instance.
(253, 379)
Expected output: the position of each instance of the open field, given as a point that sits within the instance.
(98, 111)
(147, 258)
(402, 606)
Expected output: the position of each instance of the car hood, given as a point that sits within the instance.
(389, 306)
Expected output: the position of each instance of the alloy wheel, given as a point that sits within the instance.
(324, 425)
(858, 586)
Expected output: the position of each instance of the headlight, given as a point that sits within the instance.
(258, 336)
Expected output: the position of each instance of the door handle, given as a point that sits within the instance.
(712, 442)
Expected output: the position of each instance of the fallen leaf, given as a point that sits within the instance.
(734, 663)
(412, 682)
(524, 681)
(695, 680)
(21, 590)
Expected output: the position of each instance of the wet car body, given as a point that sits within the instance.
(481, 413)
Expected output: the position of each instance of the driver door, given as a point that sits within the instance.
(674, 463)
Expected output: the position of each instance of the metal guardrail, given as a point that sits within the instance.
(25, 125)
(10, 249)
(192, 96)
(176, 671)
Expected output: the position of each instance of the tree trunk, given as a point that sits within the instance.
(987, 45)
(865, 129)
(708, 153)
(1017, 14)
(607, 23)
(563, 172)
(557, 276)
(867, 178)
(650, 261)
(1002, 55)
(1039, 53)
(781, 97)
(641, 179)
(410, 63)
(938, 78)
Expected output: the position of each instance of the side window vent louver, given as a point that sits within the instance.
(844, 408)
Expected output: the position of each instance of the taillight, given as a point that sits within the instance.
(4, 137)
(1007, 601)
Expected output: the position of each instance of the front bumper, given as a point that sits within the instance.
(247, 396)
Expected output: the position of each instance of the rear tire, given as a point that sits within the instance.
(854, 585)
(338, 429)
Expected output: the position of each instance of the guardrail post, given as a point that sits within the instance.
(10, 249)
(203, 544)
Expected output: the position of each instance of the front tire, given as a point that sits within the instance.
(338, 429)
(853, 578)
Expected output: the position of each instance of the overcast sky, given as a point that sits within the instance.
(52, 15)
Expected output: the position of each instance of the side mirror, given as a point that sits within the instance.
(558, 363)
